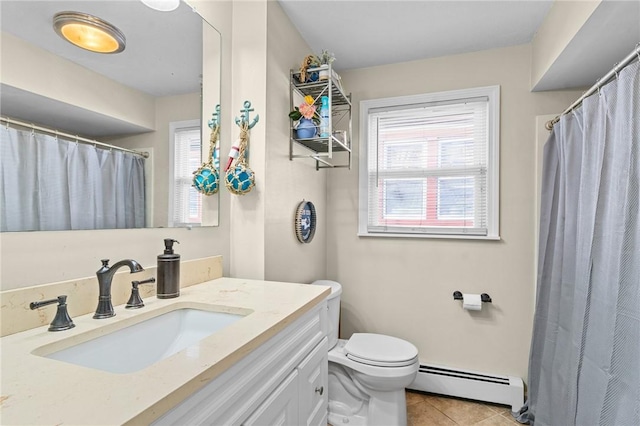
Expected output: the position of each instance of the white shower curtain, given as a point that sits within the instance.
(48, 184)
(585, 357)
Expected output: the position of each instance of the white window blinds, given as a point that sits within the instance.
(427, 167)
(187, 208)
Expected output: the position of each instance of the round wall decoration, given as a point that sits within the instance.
(305, 222)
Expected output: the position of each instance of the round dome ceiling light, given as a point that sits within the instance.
(162, 5)
(89, 32)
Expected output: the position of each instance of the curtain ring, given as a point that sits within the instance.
(615, 70)
(599, 85)
(638, 50)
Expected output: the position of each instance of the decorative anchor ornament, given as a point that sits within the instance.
(215, 118)
(240, 179)
(244, 117)
(215, 122)
(207, 178)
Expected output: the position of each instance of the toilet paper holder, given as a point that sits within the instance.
(457, 295)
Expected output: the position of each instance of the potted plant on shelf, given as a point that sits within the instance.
(306, 119)
(326, 58)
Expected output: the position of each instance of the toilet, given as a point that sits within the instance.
(368, 373)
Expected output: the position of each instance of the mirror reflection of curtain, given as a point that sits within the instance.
(584, 367)
(48, 183)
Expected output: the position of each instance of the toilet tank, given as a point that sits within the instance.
(333, 306)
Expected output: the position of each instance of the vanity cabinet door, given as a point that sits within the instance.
(313, 379)
(281, 407)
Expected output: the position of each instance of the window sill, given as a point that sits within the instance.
(431, 236)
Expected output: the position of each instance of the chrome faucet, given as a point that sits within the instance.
(105, 275)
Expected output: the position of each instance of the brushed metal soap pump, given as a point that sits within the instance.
(168, 272)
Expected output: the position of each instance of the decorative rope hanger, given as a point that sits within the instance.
(239, 178)
(207, 178)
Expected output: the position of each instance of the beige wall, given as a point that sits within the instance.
(263, 242)
(403, 287)
(560, 26)
(23, 66)
(289, 182)
(249, 61)
(30, 258)
(168, 109)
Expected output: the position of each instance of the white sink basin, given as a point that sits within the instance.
(140, 345)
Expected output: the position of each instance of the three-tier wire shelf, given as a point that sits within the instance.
(333, 151)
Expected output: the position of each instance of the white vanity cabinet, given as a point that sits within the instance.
(313, 386)
(281, 407)
(284, 381)
(301, 398)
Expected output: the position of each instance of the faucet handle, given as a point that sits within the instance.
(62, 320)
(135, 301)
(105, 262)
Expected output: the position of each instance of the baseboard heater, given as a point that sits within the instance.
(506, 390)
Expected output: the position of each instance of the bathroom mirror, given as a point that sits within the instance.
(152, 97)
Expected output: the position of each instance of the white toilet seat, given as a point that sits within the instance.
(381, 363)
(380, 350)
(338, 355)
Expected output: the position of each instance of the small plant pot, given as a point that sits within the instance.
(324, 74)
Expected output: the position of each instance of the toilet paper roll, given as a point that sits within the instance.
(471, 302)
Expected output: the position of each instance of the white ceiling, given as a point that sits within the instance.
(364, 33)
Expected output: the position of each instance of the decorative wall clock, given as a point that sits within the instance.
(305, 221)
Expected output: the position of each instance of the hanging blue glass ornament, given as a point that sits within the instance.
(206, 179)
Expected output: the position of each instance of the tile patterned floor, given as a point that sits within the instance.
(435, 410)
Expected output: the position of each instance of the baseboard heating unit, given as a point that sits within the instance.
(506, 390)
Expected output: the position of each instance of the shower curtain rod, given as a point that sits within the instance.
(601, 82)
(77, 138)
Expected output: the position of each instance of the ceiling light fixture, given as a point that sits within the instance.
(162, 5)
(89, 32)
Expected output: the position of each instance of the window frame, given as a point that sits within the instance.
(175, 127)
(493, 158)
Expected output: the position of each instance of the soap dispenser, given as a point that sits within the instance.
(168, 272)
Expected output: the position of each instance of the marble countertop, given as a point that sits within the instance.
(38, 390)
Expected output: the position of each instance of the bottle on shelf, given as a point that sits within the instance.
(324, 118)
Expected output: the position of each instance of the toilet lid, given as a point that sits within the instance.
(380, 350)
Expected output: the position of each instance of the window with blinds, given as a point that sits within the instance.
(186, 204)
(429, 165)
